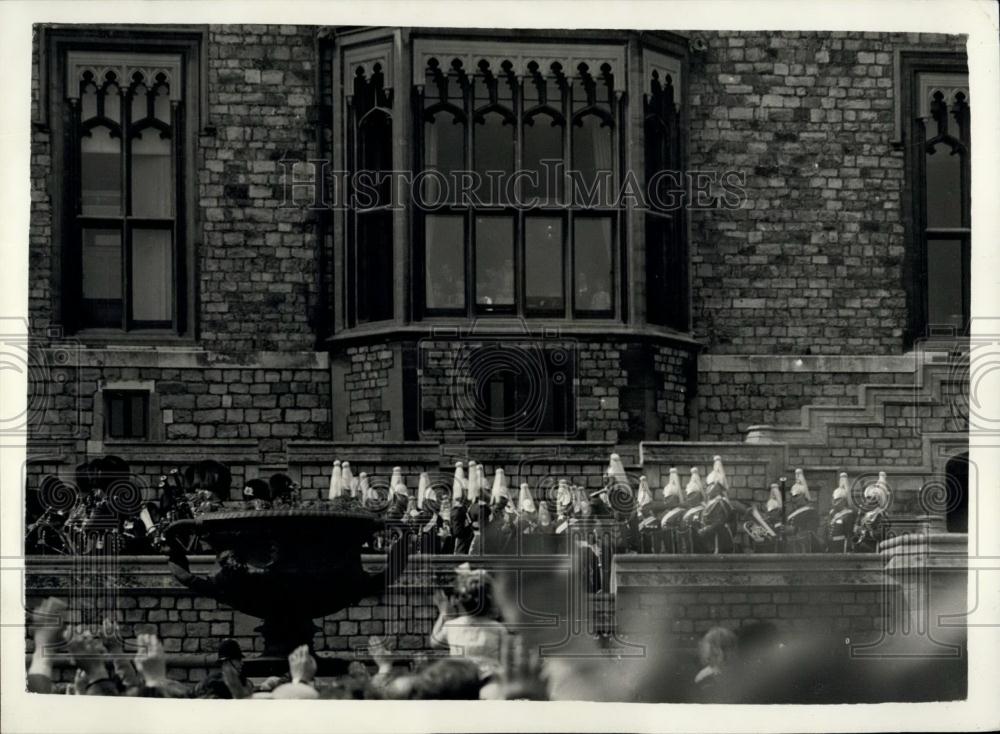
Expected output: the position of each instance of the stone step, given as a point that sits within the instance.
(869, 411)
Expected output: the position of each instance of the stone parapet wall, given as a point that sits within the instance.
(684, 594)
(847, 594)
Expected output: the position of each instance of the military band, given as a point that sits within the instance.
(475, 518)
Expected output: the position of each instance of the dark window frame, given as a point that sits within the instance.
(515, 386)
(127, 396)
(369, 97)
(915, 266)
(569, 118)
(667, 265)
(55, 116)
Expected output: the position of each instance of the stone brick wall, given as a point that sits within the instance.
(730, 402)
(619, 386)
(673, 368)
(364, 395)
(254, 257)
(252, 250)
(846, 595)
(257, 257)
(813, 260)
(40, 263)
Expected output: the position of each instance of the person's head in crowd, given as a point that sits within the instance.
(282, 487)
(449, 679)
(400, 688)
(85, 476)
(208, 481)
(472, 593)
(717, 648)
(220, 683)
(256, 492)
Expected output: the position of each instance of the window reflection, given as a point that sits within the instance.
(152, 182)
(944, 188)
(152, 260)
(101, 266)
(444, 145)
(945, 305)
(112, 103)
(445, 262)
(543, 142)
(100, 174)
(592, 263)
(375, 153)
(140, 103)
(592, 154)
(374, 265)
(543, 267)
(494, 261)
(493, 150)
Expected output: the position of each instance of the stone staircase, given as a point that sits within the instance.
(933, 405)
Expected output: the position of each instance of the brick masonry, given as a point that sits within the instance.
(813, 261)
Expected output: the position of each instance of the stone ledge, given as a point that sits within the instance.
(805, 363)
(748, 571)
(192, 358)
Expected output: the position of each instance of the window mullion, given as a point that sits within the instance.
(125, 113)
(569, 269)
(468, 104)
(176, 171)
(520, 253)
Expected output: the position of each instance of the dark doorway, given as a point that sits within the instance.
(957, 484)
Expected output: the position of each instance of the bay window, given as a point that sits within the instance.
(514, 155)
(519, 156)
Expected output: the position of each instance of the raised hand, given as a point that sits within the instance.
(80, 681)
(380, 653)
(441, 601)
(521, 675)
(151, 660)
(232, 680)
(302, 665)
(49, 621)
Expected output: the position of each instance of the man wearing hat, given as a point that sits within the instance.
(644, 523)
(219, 683)
(690, 524)
(715, 532)
(673, 513)
(763, 527)
(256, 495)
(802, 520)
(872, 527)
(840, 521)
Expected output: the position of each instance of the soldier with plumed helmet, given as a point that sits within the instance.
(802, 520)
(764, 526)
(841, 519)
(694, 501)
(670, 519)
(872, 527)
